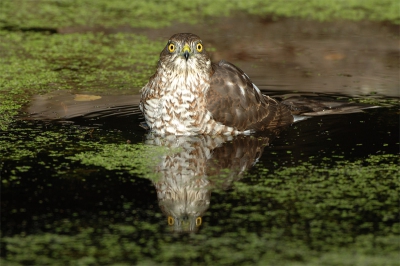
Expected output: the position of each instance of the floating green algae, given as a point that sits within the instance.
(303, 215)
(334, 212)
(35, 63)
(66, 149)
(36, 59)
(45, 62)
(138, 159)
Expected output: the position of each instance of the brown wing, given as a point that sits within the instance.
(234, 101)
(237, 155)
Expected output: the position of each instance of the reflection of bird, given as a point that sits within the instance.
(190, 95)
(194, 166)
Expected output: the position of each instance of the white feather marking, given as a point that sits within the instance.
(256, 88)
(297, 118)
(242, 91)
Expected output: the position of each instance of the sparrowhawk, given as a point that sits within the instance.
(194, 166)
(190, 95)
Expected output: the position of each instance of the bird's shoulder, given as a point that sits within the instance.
(235, 101)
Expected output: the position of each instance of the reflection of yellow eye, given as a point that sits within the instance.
(199, 47)
(171, 47)
(171, 220)
(198, 221)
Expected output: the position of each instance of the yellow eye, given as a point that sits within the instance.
(199, 47)
(171, 47)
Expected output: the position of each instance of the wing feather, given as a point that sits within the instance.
(235, 101)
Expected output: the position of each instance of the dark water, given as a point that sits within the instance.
(209, 186)
(97, 189)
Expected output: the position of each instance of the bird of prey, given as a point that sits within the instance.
(190, 95)
(195, 165)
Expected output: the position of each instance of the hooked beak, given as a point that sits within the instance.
(186, 51)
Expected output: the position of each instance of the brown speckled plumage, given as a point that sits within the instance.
(189, 95)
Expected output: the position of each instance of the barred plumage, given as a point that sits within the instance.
(193, 166)
(189, 95)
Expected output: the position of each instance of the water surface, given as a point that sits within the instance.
(102, 189)
(83, 183)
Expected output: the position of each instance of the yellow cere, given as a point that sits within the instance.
(186, 48)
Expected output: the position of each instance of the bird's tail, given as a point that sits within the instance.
(303, 107)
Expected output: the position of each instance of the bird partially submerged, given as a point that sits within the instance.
(190, 95)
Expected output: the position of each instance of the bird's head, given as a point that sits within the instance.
(184, 223)
(184, 205)
(185, 51)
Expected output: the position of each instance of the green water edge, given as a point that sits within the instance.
(329, 212)
(316, 196)
(35, 61)
(311, 214)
